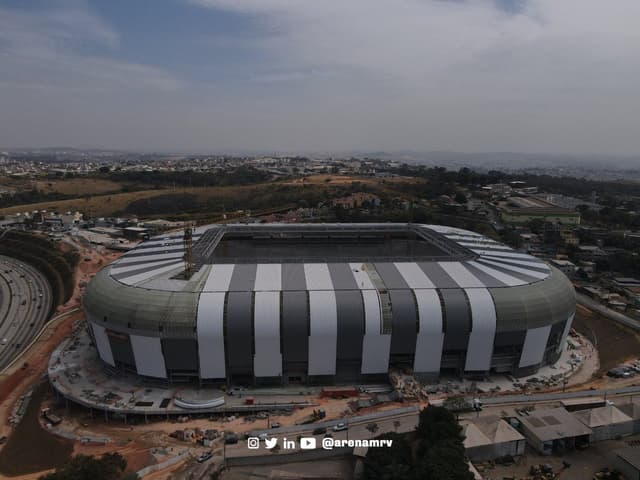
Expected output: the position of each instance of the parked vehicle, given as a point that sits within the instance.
(340, 427)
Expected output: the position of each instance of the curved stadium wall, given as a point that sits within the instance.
(327, 303)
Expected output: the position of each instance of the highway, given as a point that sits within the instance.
(25, 300)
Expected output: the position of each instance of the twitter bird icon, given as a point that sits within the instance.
(269, 443)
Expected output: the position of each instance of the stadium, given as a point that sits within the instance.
(326, 303)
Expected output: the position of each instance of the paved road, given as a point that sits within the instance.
(25, 301)
(548, 397)
(398, 420)
(607, 312)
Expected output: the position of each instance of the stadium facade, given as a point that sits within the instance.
(327, 303)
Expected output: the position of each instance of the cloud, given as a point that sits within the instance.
(470, 75)
(535, 74)
(67, 47)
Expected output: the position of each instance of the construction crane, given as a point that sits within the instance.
(187, 243)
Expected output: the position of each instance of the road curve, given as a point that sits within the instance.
(25, 301)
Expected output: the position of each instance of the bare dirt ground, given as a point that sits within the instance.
(584, 464)
(615, 343)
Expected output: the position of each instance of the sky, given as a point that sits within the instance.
(540, 76)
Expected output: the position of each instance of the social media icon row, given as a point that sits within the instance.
(306, 443)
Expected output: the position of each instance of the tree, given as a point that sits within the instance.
(445, 461)
(111, 466)
(439, 454)
(460, 198)
(373, 427)
(436, 424)
(389, 463)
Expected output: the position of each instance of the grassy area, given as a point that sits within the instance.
(30, 448)
(78, 186)
(212, 199)
(96, 205)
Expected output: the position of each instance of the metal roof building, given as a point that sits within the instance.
(554, 430)
(327, 302)
(490, 437)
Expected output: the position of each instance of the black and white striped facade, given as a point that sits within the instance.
(490, 309)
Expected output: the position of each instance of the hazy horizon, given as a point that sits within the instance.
(534, 77)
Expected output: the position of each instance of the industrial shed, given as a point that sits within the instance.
(606, 422)
(632, 410)
(627, 462)
(488, 438)
(326, 303)
(554, 430)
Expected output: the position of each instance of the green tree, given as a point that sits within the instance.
(389, 463)
(439, 454)
(435, 425)
(111, 466)
(446, 461)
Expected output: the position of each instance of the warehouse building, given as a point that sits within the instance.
(554, 430)
(489, 438)
(627, 462)
(606, 423)
(632, 410)
(327, 303)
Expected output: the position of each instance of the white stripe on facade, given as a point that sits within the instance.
(210, 330)
(219, 278)
(483, 330)
(147, 352)
(267, 361)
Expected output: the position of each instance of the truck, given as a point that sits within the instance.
(50, 417)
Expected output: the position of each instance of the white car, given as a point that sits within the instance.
(340, 427)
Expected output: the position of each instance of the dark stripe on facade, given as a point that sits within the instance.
(486, 279)
(239, 334)
(243, 278)
(350, 309)
(342, 276)
(456, 336)
(293, 277)
(295, 327)
(404, 321)
(391, 276)
(121, 349)
(181, 354)
(437, 275)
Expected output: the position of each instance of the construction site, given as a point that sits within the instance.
(183, 430)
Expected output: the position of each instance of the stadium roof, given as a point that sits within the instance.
(145, 289)
(448, 257)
